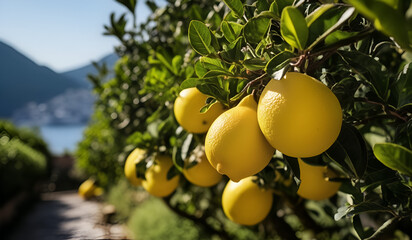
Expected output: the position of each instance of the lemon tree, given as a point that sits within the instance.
(331, 86)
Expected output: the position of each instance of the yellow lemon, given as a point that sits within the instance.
(187, 111)
(299, 115)
(156, 182)
(202, 174)
(314, 183)
(86, 189)
(234, 144)
(245, 202)
(136, 156)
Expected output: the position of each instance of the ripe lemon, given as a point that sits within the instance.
(86, 189)
(299, 115)
(234, 144)
(187, 111)
(245, 202)
(202, 174)
(156, 182)
(314, 184)
(136, 156)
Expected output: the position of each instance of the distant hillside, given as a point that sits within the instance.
(23, 81)
(80, 74)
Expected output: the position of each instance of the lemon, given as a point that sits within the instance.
(187, 111)
(156, 182)
(299, 115)
(86, 189)
(136, 156)
(234, 144)
(314, 183)
(245, 202)
(202, 174)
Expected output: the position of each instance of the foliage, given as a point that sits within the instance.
(24, 159)
(228, 49)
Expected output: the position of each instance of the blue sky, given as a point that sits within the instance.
(62, 35)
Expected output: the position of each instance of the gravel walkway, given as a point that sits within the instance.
(64, 215)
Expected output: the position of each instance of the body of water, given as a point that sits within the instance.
(62, 138)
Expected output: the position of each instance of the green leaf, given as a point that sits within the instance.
(189, 83)
(275, 10)
(293, 28)
(200, 38)
(394, 156)
(278, 62)
(369, 70)
(337, 36)
(327, 23)
(231, 30)
(216, 73)
(256, 29)
(200, 69)
(402, 89)
(212, 63)
(317, 13)
(236, 6)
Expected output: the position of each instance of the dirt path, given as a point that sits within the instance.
(64, 215)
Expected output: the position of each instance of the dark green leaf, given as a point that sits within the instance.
(394, 156)
(254, 64)
(200, 38)
(141, 169)
(278, 62)
(294, 167)
(236, 6)
(386, 18)
(349, 151)
(403, 87)
(357, 225)
(281, 4)
(369, 70)
(129, 4)
(233, 52)
(231, 30)
(256, 29)
(173, 172)
(293, 28)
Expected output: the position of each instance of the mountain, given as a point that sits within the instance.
(23, 81)
(80, 74)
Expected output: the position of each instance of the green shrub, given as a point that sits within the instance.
(153, 220)
(24, 159)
